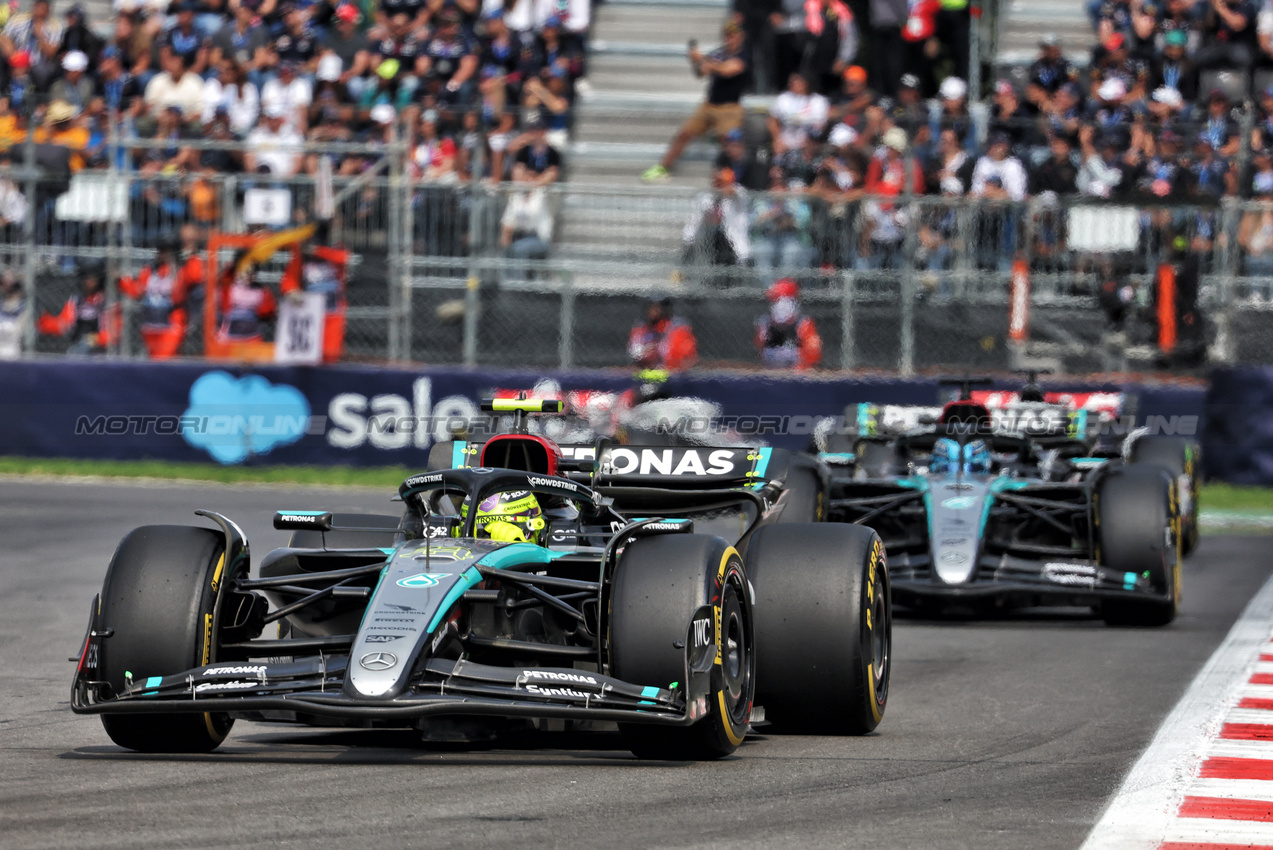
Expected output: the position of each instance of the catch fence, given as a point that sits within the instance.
(496, 274)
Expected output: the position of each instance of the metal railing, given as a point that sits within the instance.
(484, 273)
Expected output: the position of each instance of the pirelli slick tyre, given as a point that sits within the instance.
(158, 601)
(682, 601)
(1138, 533)
(806, 492)
(305, 539)
(824, 627)
(1180, 457)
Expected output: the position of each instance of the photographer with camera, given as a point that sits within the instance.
(728, 70)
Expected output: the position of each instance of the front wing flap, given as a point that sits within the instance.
(444, 686)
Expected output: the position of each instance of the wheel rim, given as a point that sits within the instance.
(736, 655)
(881, 637)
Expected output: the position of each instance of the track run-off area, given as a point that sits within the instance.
(1015, 732)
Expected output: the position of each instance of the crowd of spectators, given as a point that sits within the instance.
(1170, 104)
(467, 83)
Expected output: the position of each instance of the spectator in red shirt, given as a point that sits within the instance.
(662, 341)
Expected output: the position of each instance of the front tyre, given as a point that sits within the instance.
(158, 598)
(825, 623)
(660, 586)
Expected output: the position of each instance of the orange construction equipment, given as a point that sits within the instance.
(257, 248)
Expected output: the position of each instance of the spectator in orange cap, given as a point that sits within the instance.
(850, 103)
(662, 341)
(785, 337)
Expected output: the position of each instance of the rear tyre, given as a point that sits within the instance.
(1180, 457)
(1138, 534)
(825, 623)
(660, 585)
(158, 597)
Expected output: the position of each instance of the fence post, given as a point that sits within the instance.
(395, 247)
(906, 362)
(472, 302)
(29, 237)
(112, 250)
(566, 333)
(848, 351)
(407, 268)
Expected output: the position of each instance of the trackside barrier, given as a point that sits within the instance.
(1238, 437)
(182, 411)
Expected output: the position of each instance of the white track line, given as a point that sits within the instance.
(1211, 831)
(1239, 749)
(1143, 811)
(1236, 789)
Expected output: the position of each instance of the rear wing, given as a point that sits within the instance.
(692, 468)
(698, 468)
(1071, 415)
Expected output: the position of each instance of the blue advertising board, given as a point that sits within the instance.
(364, 416)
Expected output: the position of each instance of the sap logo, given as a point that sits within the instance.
(391, 421)
(233, 419)
(667, 462)
(382, 638)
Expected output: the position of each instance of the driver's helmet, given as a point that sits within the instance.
(977, 456)
(946, 455)
(512, 517)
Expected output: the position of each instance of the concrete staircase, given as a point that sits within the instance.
(641, 91)
(1024, 21)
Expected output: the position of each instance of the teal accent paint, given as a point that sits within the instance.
(838, 457)
(1129, 581)
(386, 551)
(921, 484)
(649, 691)
(467, 579)
(1001, 484)
(519, 553)
(457, 454)
(1089, 461)
(763, 463)
(153, 681)
(865, 419)
(383, 572)
(302, 513)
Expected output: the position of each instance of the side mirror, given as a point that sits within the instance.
(298, 520)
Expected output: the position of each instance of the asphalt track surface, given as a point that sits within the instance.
(1008, 733)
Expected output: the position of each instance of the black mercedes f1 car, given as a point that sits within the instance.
(673, 591)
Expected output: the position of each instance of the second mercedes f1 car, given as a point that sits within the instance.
(990, 510)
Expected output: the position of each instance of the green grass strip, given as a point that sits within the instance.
(1216, 497)
(388, 477)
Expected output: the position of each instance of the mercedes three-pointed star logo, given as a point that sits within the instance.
(378, 660)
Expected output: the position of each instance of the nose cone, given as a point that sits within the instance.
(958, 508)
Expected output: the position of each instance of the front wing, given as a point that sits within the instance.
(445, 686)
